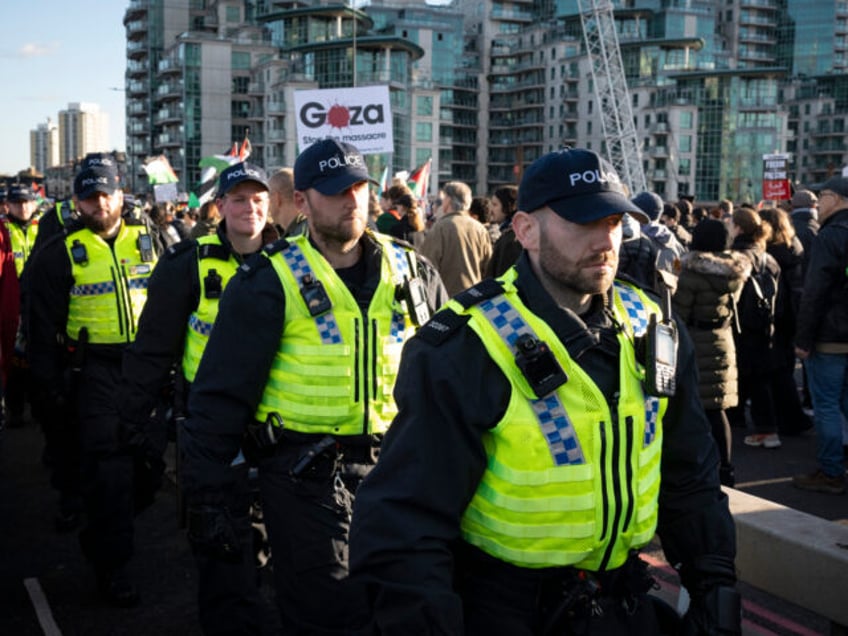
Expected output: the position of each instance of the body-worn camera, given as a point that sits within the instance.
(145, 246)
(314, 295)
(212, 284)
(660, 357)
(539, 365)
(79, 253)
(412, 293)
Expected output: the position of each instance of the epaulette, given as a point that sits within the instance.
(277, 246)
(178, 248)
(487, 288)
(253, 264)
(441, 326)
(213, 250)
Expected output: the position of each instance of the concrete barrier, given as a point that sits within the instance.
(792, 555)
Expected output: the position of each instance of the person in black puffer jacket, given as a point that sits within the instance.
(711, 277)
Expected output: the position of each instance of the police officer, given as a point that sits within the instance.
(86, 288)
(22, 226)
(182, 302)
(542, 436)
(303, 358)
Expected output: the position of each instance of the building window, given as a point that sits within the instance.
(423, 131)
(240, 60)
(240, 85)
(686, 143)
(233, 15)
(424, 105)
(684, 167)
(686, 120)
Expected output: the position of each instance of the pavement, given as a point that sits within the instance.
(47, 589)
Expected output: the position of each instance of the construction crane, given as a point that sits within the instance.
(617, 127)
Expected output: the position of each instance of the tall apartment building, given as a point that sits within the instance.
(484, 87)
(44, 146)
(82, 129)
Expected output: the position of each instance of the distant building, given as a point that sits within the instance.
(485, 87)
(44, 146)
(82, 129)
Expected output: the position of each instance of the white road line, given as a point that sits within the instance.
(42, 608)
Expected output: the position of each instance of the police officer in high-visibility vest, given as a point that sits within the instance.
(87, 287)
(302, 362)
(182, 302)
(22, 226)
(548, 423)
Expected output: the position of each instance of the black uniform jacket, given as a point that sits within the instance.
(237, 360)
(823, 313)
(407, 512)
(173, 293)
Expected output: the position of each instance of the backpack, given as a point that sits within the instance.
(755, 309)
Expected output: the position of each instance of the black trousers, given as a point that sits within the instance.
(228, 595)
(504, 600)
(308, 522)
(107, 470)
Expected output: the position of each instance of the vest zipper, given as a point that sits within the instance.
(130, 309)
(615, 502)
(356, 352)
(602, 461)
(374, 374)
(628, 467)
(118, 297)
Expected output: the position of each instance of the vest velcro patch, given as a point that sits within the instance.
(213, 250)
(440, 327)
(276, 246)
(488, 288)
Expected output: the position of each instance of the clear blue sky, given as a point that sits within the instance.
(53, 52)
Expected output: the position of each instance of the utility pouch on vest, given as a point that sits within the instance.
(212, 284)
(538, 364)
(315, 296)
(268, 433)
(145, 247)
(412, 293)
(79, 253)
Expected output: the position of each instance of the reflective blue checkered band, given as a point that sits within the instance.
(328, 329)
(138, 283)
(652, 412)
(638, 316)
(200, 326)
(634, 308)
(401, 261)
(401, 272)
(553, 420)
(94, 289)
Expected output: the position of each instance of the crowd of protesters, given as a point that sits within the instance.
(761, 290)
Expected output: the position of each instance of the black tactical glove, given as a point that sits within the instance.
(716, 612)
(715, 607)
(212, 530)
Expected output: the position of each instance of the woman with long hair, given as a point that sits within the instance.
(507, 249)
(753, 346)
(411, 221)
(787, 250)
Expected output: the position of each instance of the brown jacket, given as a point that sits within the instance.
(460, 248)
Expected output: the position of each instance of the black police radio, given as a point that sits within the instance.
(660, 343)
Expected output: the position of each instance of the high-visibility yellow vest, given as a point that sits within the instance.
(22, 238)
(572, 477)
(110, 284)
(214, 272)
(334, 372)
